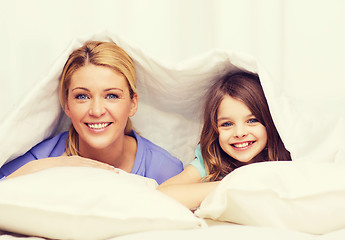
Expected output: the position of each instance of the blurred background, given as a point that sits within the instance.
(300, 42)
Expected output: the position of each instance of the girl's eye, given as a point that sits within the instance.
(253, 120)
(81, 97)
(226, 124)
(112, 96)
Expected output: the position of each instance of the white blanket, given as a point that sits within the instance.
(170, 106)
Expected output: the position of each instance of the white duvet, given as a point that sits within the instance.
(170, 104)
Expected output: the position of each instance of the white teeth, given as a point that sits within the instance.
(98, 125)
(241, 145)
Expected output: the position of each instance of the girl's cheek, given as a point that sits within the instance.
(224, 136)
(225, 133)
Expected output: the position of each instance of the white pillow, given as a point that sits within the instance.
(307, 197)
(87, 203)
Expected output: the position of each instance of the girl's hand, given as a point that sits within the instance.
(187, 187)
(62, 161)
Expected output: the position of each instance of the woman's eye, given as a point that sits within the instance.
(253, 120)
(112, 96)
(81, 97)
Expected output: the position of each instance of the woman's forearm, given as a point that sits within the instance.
(62, 161)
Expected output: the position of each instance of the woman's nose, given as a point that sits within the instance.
(97, 108)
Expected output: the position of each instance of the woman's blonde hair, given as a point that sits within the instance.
(106, 54)
(245, 87)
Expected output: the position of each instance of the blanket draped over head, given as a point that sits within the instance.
(171, 98)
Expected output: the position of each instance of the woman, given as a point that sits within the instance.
(98, 93)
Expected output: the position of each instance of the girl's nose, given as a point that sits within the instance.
(240, 131)
(97, 108)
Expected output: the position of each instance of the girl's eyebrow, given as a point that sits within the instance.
(222, 118)
(229, 118)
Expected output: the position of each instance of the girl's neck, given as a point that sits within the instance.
(122, 155)
(261, 157)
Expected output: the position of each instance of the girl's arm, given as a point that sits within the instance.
(62, 161)
(187, 187)
(189, 175)
(191, 195)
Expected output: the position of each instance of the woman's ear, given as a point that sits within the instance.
(66, 108)
(134, 105)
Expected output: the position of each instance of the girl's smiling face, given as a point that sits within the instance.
(99, 104)
(241, 135)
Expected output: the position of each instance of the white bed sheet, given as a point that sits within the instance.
(215, 230)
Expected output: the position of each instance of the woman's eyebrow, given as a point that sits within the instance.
(80, 88)
(106, 90)
(110, 89)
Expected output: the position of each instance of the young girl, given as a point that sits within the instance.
(238, 130)
(98, 93)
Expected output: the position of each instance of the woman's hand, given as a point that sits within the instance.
(62, 161)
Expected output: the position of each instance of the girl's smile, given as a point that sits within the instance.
(241, 135)
(242, 145)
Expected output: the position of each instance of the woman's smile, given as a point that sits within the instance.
(98, 127)
(99, 105)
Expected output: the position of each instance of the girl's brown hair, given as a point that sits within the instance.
(106, 54)
(245, 87)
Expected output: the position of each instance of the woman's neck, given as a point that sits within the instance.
(120, 155)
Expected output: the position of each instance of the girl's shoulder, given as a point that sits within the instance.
(198, 162)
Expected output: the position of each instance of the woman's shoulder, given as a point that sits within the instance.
(147, 146)
(153, 154)
(154, 161)
(51, 147)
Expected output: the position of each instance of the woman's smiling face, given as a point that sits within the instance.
(241, 135)
(99, 104)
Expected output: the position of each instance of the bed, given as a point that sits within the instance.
(302, 199)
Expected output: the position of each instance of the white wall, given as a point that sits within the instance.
(301, 42)
(314, 63)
